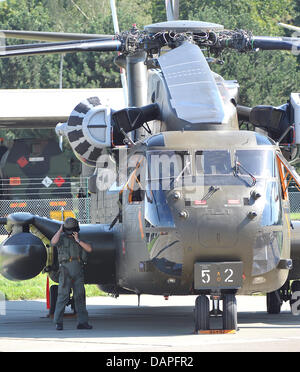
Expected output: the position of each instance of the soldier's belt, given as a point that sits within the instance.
(78, 259)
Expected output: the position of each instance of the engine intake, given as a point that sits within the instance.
(88, 130)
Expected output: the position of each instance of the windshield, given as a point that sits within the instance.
(257, 162)
(222, 167)
(213, 162)
(174, 169)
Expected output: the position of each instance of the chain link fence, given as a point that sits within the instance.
(52, 198)
(57, 209)
(294, 202)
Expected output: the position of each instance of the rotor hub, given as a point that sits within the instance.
(184, 26)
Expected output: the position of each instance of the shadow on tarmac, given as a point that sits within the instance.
(28, 319)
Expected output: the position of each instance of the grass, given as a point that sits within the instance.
(295, 216)
(35, 289)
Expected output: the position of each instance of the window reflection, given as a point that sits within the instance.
(168, 169)
(213, 162)
(272, 213)
(157, 211)
(257, 162)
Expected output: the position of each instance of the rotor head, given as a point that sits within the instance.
(183, 26)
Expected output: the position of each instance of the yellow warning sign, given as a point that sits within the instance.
(59, 215)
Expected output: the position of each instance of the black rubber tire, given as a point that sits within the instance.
(273, 302)
(229, 312)
(202, 313)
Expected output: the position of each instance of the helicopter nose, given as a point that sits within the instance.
(217, 229)
(214, 228)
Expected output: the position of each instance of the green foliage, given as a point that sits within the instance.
(257, 15)
(264, 77)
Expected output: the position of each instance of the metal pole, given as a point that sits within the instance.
(137, 83)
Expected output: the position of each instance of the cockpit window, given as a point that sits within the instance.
(263, 140)
(225, 167)
(213, 162)
(168, 169)
(257, 162)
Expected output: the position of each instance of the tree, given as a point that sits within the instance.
(264, 77)
(81, 70)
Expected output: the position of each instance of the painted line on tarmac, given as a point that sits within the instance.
(248, 341)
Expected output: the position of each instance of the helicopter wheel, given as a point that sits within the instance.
(274, 302)
(229, 312)
(202, 313)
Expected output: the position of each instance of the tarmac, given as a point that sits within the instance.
(156, 326)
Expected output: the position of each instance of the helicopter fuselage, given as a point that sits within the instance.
(221, 203)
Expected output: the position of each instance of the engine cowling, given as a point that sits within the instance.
(22, 256)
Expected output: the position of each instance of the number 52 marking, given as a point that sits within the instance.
(205, 276)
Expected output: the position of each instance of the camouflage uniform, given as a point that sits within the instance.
(70, 257)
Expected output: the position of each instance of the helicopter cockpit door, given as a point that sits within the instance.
(132, 200)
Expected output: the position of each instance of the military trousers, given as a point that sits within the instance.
(71, 276)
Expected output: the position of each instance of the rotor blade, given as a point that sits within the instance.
(276, 43)
(172, 8)
(117, 31)
(67, 47)
(38, 45)
(289, 27)
(114, 16)
(50, 36)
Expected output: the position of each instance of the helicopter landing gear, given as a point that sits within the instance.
(203, 315)
(229, 312)
(288, 292)
(275, 299)
(274, 302)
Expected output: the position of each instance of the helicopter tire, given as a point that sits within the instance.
(229, 312)
(274, 302)
(202, 313)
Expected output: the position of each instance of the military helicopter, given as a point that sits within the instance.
(197, 207)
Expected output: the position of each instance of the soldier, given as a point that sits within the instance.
(71, 250)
